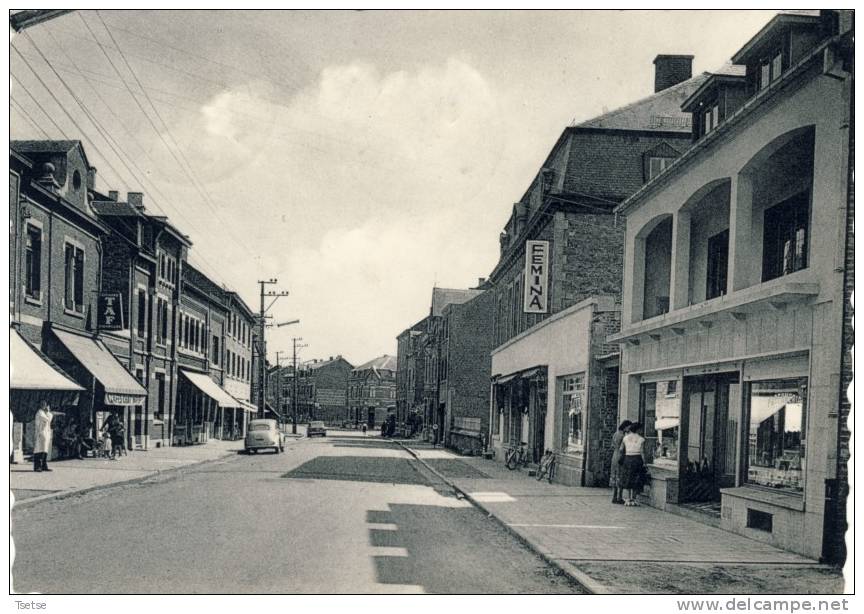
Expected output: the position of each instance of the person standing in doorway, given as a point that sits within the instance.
(617, 461)
(42, 447)
(435, 435)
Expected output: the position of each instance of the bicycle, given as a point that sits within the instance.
(517, 457)
(547, 467)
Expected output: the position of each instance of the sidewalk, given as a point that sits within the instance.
(615, 549)
(76, 476)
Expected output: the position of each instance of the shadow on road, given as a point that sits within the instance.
(379, 469)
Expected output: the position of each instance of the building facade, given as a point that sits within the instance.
(372, 391)
(410, 368)
(732, 317)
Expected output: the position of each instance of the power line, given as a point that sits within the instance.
(17, 106)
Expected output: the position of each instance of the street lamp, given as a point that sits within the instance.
(288, 323)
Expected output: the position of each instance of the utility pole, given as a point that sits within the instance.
(279, 384)
(294, 395)
(262, 344)
(33, 17)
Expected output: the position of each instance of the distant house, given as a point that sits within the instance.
(372, 390)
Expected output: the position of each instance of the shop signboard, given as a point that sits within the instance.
(536, 294)
(110, 311)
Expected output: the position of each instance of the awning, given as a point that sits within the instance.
(213, 390)
(524, 374)
(270, 408)
(661, 424)
(29, 371)
(246, 406)
(120, 387)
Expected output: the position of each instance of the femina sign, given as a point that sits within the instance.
(110, 308)
(536, 297)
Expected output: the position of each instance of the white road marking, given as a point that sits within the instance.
(389, 551)
(382, 526)
(568, 526)
(492, 497)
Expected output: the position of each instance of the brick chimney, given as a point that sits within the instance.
(113, 194)
(136, 199)
(671, 70)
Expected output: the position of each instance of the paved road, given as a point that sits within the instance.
(339, 515)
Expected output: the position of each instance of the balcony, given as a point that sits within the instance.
(775, 295)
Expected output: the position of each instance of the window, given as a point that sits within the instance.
(215, 350)
(142, 313)
(718, 264)
(161, 321)
(770, 69)
(657, 165)
(33, 263)
(784, 242)
(776, 434)
(764, 75)
(160, 399)
(659, 413)
(573, 404)
(74, 299)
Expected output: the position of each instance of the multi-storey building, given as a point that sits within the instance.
(464, 363)
(239, 365)
(563, 248)
(733, 307)
(143, 256)
(410, 367)
(372, 391)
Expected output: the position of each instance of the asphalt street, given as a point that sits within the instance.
(345, 514)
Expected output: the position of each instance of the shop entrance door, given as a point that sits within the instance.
(709, 437)
(538, 411)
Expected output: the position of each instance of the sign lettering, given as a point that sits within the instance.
(535, 298)
(110, 311)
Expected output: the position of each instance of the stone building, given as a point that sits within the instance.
(733, 307)
(565, 226)
(410, 367)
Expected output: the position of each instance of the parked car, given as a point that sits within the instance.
(316, 427)
(263, 434)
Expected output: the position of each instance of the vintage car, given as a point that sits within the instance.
(316, 427)
(262, 435)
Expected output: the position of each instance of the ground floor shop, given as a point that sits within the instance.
(205, 410)
(549, 392)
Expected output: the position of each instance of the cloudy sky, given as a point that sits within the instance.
(359, 157)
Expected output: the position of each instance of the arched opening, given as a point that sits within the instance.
(705, 219)
(652, 268)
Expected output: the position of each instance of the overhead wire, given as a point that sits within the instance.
(21, 110)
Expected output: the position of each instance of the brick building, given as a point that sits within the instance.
(57, 253)
(410, 367)
(321, 387)
(733, 310)
(463, 371)
(372, 391)
(566, 220)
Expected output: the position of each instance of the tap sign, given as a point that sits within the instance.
(536, 296)
(110, 311)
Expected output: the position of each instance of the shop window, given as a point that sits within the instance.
(33, 263)
(74, 297)
(573, 404)
(659, 412)
(785, 236)
(718, 265)
(776, 435)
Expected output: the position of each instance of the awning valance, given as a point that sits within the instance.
(523, 374)
(213, 390)
(29, 371)
(120, 387)
(246, 406)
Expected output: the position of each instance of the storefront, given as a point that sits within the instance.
(109, 387)
(202, 406)
(33, 380)
(547, 391)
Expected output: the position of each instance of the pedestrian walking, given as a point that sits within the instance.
(363, 428)
(42, 447)
(617, 461)
(633, 448)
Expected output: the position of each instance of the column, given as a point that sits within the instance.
(744, 256)
(679, 275)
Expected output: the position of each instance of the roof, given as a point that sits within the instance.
(30, 371)
(782, 19)
(728, 73)
(111, 207)
(441, 297)
(321, 363)
(382, 362)
(660, 112)
(48, 147)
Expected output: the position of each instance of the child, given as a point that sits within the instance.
(107, 448)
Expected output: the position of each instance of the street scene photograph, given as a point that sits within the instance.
(431, 302)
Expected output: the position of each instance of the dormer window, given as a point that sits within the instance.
(770, 69)
(710, 118)
(657, 165)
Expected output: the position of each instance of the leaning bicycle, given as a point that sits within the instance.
(517, 457)
(547, 467)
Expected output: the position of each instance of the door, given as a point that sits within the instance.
(538, 411)
(708, 463)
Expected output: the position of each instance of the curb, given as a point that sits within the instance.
(588, 583)
(71, 492)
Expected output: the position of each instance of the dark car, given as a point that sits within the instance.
(316, 428)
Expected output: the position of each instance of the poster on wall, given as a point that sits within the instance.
(536, 294)
(110, 312)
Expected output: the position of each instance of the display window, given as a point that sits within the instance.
(777, 434)
(660, 413)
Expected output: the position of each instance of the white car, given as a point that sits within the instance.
(263, 434)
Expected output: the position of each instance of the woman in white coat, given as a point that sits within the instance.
(42, 447)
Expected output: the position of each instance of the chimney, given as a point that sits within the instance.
(481, 281)
(47, 179)
(112, 195)
(671, 70)
(136, 199)
(91, 178)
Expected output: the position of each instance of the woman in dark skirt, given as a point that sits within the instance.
(632, 447)
(617, 461)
